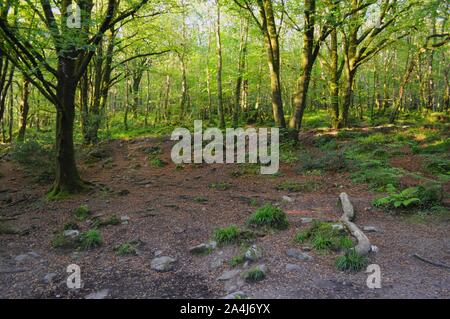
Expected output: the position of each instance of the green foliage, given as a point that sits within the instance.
(292, 186)
(421, 196)
(82, 212)
(111, 221)
(36, 159)
(155, 161)
(89, 240)
(237, 260)
(351, 261)
(438, 165)
(85, 241)
(227, 235)
(324, 237)
(378, 177)
(330, 161)
(220, 186)
(125, 249)
(269, 216)
(253, 274)
(441, 146)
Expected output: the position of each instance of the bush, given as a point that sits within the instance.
(237, 260)
(227, 235)
(324, 237)
(351, 261)
(421, 196)
(331, 161)
(125, 249)
(438, 165)
(293, 186)
(82, 212)
(254, 274)
(378, 178)
(269, 216)
(89, 240)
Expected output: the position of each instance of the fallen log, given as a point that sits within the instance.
(363, 247)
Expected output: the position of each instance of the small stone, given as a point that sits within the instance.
(163, 264)
(229, 274)
(124, 219)
(307, 220)
(374, 249)
(234, 284)
(287, 199)
(297, 254)
(236, 295)
(49, 278)
(102, 294)
(21, 258)
(337, 227)
(254, 253)
(158, 253)
(72, 233)
(216, 263)
(370, 229)
(199, 249)
(293, 267)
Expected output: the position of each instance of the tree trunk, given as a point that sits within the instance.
(219, 70)
(24, 109)
(334, 78)
(67, 178)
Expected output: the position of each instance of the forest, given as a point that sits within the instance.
(91, 91)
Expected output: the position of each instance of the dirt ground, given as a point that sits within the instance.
(167, 218)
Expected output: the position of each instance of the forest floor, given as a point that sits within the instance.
(166, 210)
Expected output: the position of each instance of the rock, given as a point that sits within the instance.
(236, 295)
(124, 219)
(374, 249)
(163, 264)
(370, 229)
(216, 263)
(234, 284)
(229, 274)
(287, 199)
(307, 220)
(21, 258)
(49, 278)
(203, 248)
(158, 253)
(307, 248)
(293, 267)
(99, 153)
(72, 233)
(254, 253)
(339, 227)
(297, 254)
(5, 197)
(102, 294)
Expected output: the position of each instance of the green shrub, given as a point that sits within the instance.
(125, 249)
(421, 196)
(378, 178)
(269, 216)
(438, 165)
(293, 186)
(89, 240)
(254, 274)
(227, 235)
(331, 161)
(220, 186)
(351, 261)
(237, 260)
(82, 212)
(111, 221)
(323, 236)
(155, 161)
(442, 146)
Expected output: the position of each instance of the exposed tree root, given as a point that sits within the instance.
(363, 247)
(437, 264)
